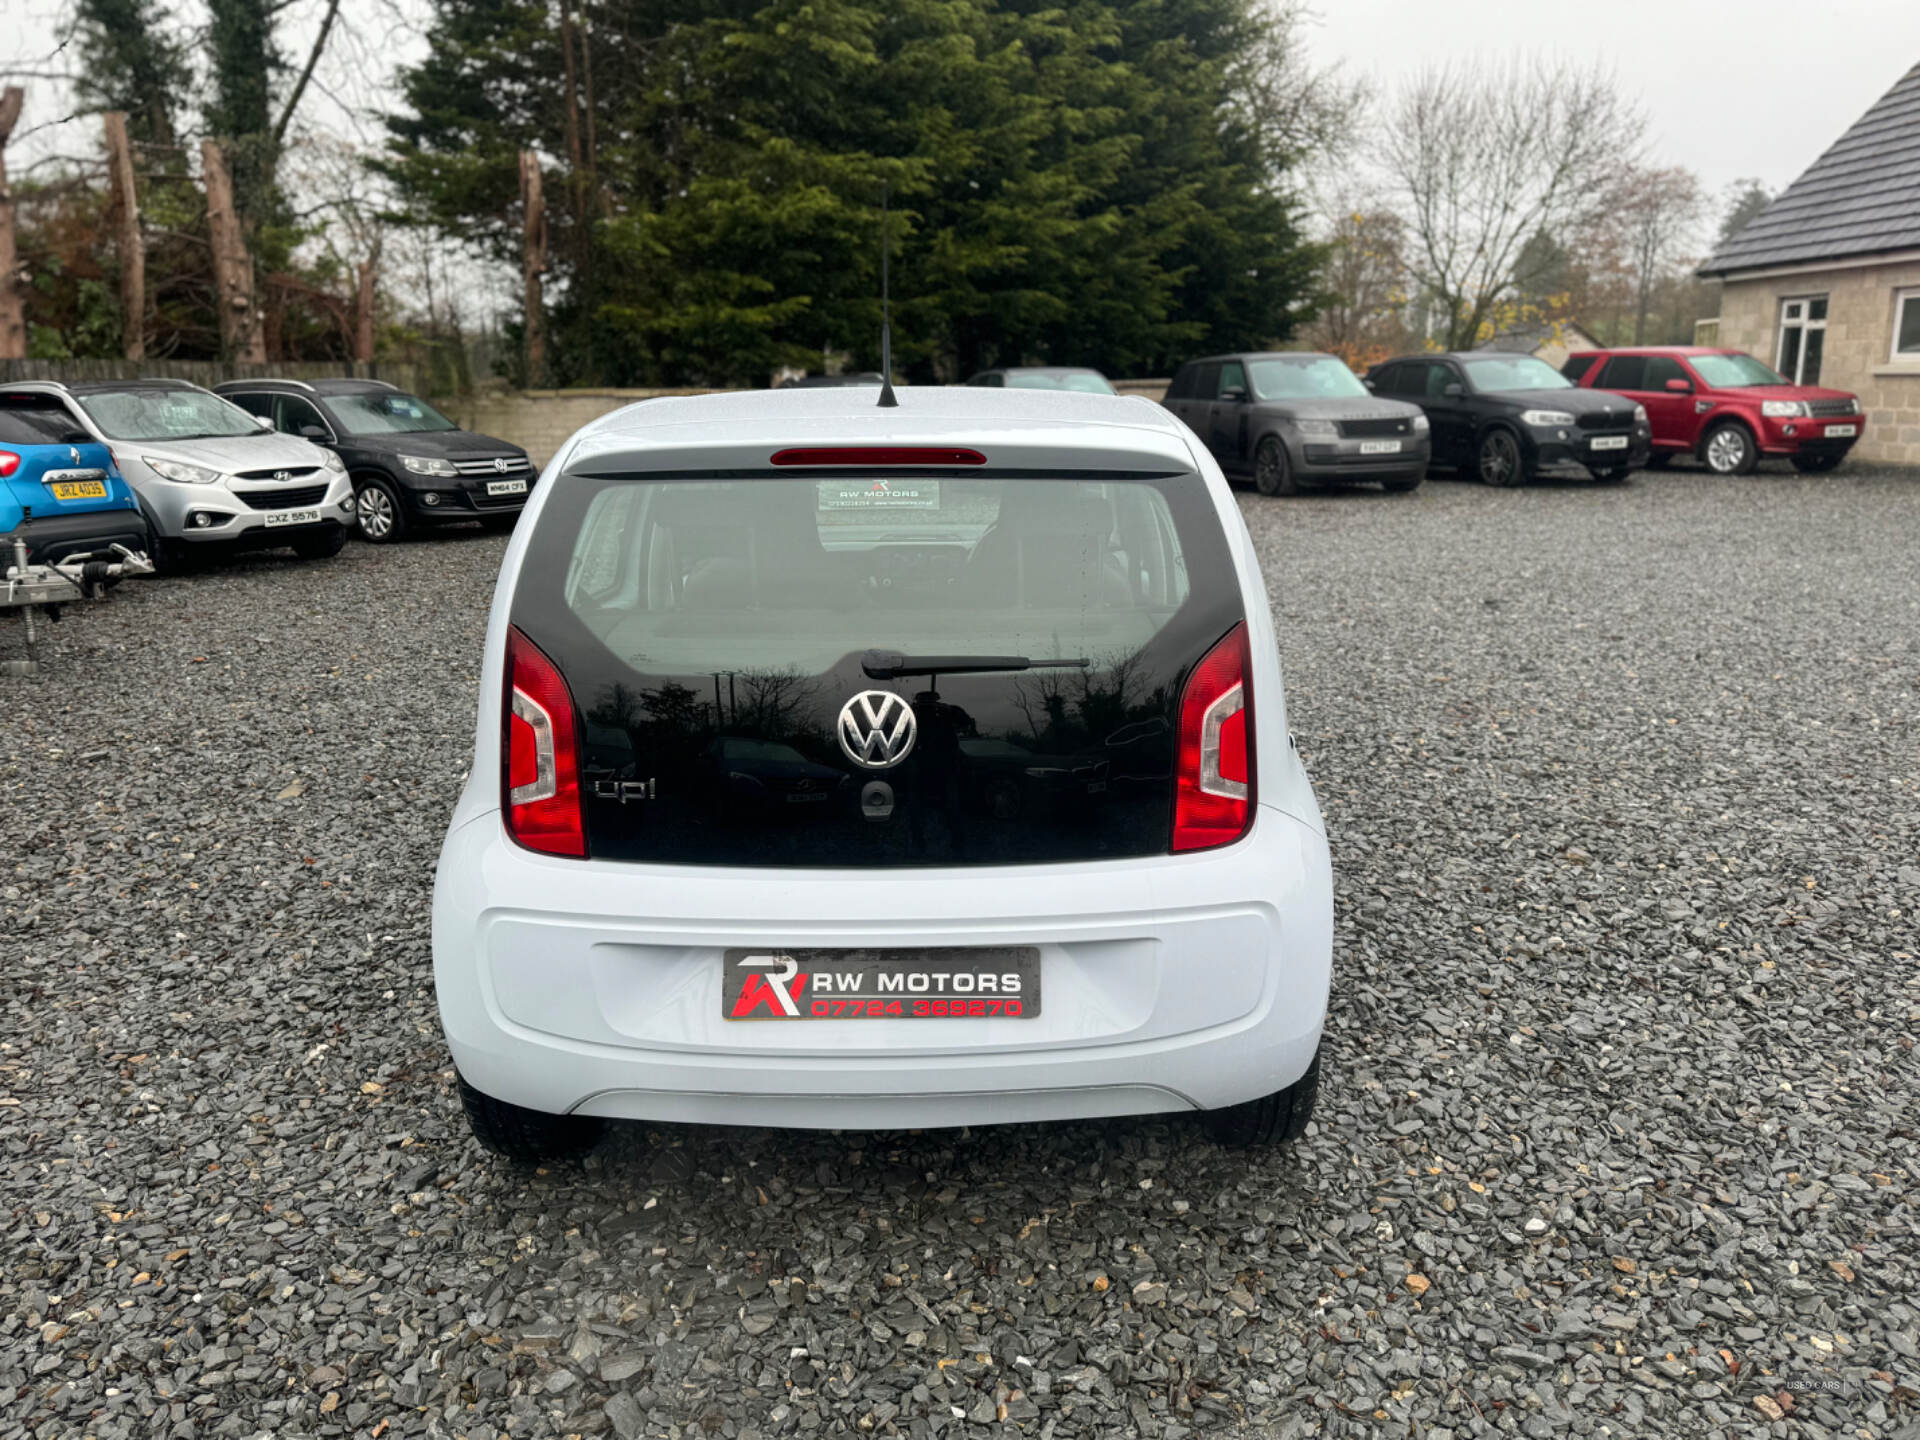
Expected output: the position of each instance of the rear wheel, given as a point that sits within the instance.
(1272, 471)
(378, 511)
(1272, 1119)
(1816, 464)
(1728, 449)
(522, 1134)
(1500, 459)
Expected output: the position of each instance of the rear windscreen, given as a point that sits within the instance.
(711, 631)
(34, 420)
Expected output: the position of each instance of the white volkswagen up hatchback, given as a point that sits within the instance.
(842, 766)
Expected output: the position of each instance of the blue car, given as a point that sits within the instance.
(62, 482)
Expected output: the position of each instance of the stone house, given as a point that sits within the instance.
(1549, 340)
(1824, 284)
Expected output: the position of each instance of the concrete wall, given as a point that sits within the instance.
(540, 421)
(1859, 345)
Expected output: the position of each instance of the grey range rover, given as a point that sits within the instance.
(1290, 419)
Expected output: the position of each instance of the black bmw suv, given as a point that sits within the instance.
(411, 465)
(1506, 417)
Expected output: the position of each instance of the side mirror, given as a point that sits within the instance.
(1680, 387)
(1235, 393)
(314, 432)
(1367, 380)
(1454, 390)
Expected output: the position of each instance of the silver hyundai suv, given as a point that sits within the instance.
(210, 476)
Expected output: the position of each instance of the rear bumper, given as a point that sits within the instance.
(1168, 983)
(53, 538)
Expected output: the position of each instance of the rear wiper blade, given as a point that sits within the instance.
(891, 664)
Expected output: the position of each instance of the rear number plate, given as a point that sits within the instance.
(78, 489)
(506, 487)
(1610, 442)
(1001, 982)
(292, 517)
(1834, 432)
(1379, 447)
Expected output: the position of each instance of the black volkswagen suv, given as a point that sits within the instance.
(411, 465)
(1294, 418)
(1505, 417)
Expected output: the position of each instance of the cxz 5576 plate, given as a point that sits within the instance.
(970, 983)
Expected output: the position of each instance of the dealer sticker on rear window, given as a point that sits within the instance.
(972, 983)
(880, 494)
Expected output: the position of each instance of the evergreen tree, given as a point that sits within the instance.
(244, 59)
(131, 60)
(1071, 181)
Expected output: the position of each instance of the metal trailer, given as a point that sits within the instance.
(47, 587)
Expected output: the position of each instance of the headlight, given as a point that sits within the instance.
(426, 465)
(182, 472)
(333, 462)
(1639, 414)
(1420, 422)
(1783, 409)
(1317, 429)
(1545, 417)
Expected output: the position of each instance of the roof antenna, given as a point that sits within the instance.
(887, 398)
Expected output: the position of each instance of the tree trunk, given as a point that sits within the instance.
(133, 252)
(242, 327)
(534, 235)
(363, 307)
(13, 319)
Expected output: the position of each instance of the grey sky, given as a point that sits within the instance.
(1731, 87)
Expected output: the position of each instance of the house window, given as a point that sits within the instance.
(1906, 327)
(1803, 339)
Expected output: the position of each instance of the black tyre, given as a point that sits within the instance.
(1500, 460)
(522, 1134)
(1272, 470)
(1272, 1119)
(323, 546)
(1728, 449)
(1816, 464)
(1401, 487)
(378, 512)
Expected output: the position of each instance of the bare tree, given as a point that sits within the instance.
(133, 253)
(1486, 157)
(1367, 284)
(242, 320)
(1661, 211)
(13, 319)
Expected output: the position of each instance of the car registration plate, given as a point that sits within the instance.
(506, 487)
(970, 983)
(1609, 442)
(1379, 447)
(1835, 432)
(277, 518)
(78, 489)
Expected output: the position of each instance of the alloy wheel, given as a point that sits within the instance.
(1499, 459)
(375, 511)
(1727, 450)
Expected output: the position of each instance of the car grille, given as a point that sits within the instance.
(283, 499)
(516, 465)
(1375, 429)
(1831, 409)
(1620, 419)
(281, 475)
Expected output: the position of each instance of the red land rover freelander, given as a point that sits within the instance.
(1724, 407)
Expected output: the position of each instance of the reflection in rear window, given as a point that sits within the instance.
(32, 420)
(682, 577)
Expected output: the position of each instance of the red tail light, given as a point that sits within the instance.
(880, 455)
(9, 462)
(1213, 792)
(540, 760)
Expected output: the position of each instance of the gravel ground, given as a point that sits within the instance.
(1617, 1135)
